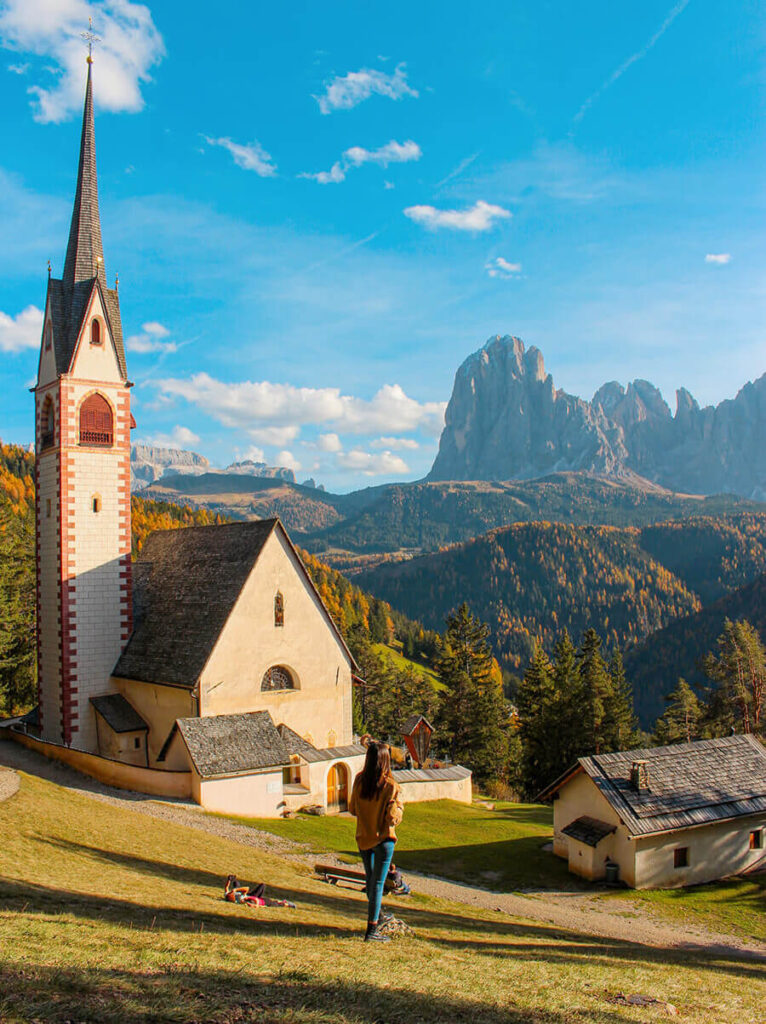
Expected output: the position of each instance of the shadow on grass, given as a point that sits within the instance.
(177, 993)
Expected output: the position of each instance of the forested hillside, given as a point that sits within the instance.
(655, 665)
(533, 580)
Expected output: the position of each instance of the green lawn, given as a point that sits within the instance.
(500, 849)
(398, 660)
(110, 916)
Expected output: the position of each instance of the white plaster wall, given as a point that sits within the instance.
(250, 643)
(159, 706)
(580, 798)
(248, 796)
(448, 789)
(49, 594)
(714, 852)
(95, 362)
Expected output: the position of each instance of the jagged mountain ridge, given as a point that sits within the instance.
(150, 463)
(507, 421)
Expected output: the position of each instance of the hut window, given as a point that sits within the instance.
(48, 425)
(279, 610)
(96, 422)
(95, 332)
(96, 502)
(277, 678)
(756, 839)
(681, 857)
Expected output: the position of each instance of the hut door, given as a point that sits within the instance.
(337, 788)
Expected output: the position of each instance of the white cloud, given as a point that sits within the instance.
(250, 404)
(718, 257)
(392, 152)
(500, 267)
(346, 91)
(278, 436)
(18, 69)
(329, 443)
(51, 29)
(670, 17)
(151, 340)
(22, 331)
(287, 461)
(396, 443)
(250, 156)
(479, 217)
(254, 454)
(179, 437)
(370, 464)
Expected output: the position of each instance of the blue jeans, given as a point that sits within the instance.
(376, 864)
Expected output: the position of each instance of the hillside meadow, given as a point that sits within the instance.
(107, 915)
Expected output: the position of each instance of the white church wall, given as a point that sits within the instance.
(258, 795)
(306, 644)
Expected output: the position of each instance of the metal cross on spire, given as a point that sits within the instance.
(90, 38)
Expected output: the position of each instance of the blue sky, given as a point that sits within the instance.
(317, 211)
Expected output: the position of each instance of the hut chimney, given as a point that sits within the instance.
(639, 776)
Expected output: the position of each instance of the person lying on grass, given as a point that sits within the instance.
(376, 801)
(252, 895)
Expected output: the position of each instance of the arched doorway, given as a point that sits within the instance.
(337, 788)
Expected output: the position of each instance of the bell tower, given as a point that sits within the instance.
(82, 444)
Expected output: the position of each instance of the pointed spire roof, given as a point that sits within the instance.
(85, 252)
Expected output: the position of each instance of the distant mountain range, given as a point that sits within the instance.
(149, 463)
(507, 421)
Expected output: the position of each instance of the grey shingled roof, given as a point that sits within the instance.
(294, 743)
(689, 783)
(118, 713)
(233, 744)
(185, 585)
(451, 774)
(589, 830)
(84, 268)
(412, 721)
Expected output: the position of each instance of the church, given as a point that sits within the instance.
(208, 668)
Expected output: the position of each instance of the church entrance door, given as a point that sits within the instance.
(337, 788)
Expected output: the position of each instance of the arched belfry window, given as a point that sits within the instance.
(96, 422)
(95, 332)
(48, 425)
(279, 609)
(277, 678)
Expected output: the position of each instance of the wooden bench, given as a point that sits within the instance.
(334, 875)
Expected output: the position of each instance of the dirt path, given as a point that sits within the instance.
(9, 783)
(578, 912)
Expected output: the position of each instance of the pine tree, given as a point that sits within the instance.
(472, 713)
(622, 725)
(535, 703)
(682, 720)
(598, 694)
(739, 672)
(17, 610)
(567, 704)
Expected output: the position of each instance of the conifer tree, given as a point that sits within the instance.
(739, 672)
(17, 611)
(566, 707)
(597, 694)
(682, 720)
(535, 701)
(622, 724)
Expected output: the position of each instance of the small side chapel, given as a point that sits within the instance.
(212, 656)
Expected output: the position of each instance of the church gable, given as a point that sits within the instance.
(95, 355)
(278, 642)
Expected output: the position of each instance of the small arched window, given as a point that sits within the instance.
(48, 335)
(277, 678)
(95, 332)
(96, 502)
(96, 422)
(279, 610)
(48, 425)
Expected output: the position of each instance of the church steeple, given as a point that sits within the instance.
(85, 252)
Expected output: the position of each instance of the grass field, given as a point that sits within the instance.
(500, 849)
(107, 915)
(398, 660)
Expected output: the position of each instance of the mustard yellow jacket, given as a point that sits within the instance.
(376, 819)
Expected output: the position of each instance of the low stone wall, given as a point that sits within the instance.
(438, 789)
(152, 781)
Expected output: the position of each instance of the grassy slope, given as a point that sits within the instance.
(107, 915)
(398, 660)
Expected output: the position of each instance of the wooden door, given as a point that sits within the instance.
(337, 788)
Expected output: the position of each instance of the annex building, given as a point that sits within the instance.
(209, 667)
(665, 816)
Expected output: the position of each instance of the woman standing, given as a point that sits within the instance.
(376, 800)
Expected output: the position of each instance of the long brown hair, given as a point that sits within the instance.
(377, 768)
